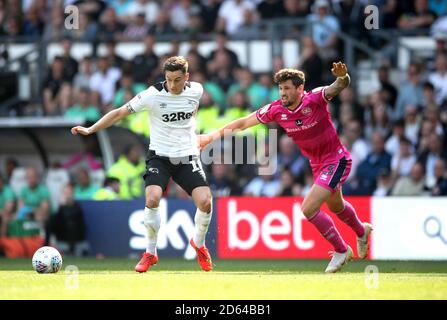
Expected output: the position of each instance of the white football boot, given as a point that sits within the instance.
(362, 242)
(339, 260)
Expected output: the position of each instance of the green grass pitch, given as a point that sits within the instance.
(114, 278)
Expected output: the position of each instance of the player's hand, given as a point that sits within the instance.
(339, 69)
(204, 140)
(81, 130)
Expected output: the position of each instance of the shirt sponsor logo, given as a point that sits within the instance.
(306, 111)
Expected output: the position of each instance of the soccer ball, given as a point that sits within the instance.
(47, 260)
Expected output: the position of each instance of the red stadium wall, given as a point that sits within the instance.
(275, 228)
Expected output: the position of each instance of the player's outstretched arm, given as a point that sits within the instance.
(343, 80)
(106, 121)
(229, 129)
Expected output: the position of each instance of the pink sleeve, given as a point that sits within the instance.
(318, 95)
(265, 114)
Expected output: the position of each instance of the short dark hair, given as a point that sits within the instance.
(296, 76)
(176, 63)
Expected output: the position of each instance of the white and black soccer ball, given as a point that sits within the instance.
(47, 260)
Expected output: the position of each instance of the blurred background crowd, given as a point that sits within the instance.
(396, 132)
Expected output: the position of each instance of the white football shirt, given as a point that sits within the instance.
(172, 118)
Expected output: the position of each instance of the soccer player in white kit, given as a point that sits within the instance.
(173, 152)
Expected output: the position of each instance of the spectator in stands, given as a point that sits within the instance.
(10, 165)
(103, 82)
(87, 156)
(433, 114)
(379, 121)
(268, 9)
(217, 94)
(129, 169)
(262, 186)
(221, 40)
(420, 18)
(412, 123)
(354, 137)
(93, 8)
(115, 59)
(67, 224)
(440, 49)
(290, 158)
(429, 158)
(208, 114)
(350, 14)
(403, 161)
(296, 9)
(34, 199)
(439, 79)
(181, 14)
(266, 81)
(439, 7)
(440, 188)
(126, 83)
(231, 15)
(33, 25)
(87, 30)
(121, 8)
(83, 109)
(70, 64)
(84, 189)
(429, 96)
(52, 86)
(137, 28)
(110, 190)
(387, 89)
(7, 199)
(54, 29)
(412, 185)
(110, 27)
(384, 184)
(222, 181)
(150, 7)
(147, 62)
(288, 187)
(427, 129)
(220, 70)
(410, 92)
(377, 160)
(311, 64)
(162, 24)
(393, 142)
(82, 78)
(324, 28)
(256, 94)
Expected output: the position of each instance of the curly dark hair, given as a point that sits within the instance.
(296, 76)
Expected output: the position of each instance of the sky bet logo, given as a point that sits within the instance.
(172, 231)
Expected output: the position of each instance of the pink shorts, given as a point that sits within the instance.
(331, 175)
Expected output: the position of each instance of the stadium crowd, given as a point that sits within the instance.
(396, 135)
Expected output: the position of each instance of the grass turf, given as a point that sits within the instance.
(114, 278)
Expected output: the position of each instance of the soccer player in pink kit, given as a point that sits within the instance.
(306, 119)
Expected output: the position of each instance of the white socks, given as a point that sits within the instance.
(202, 221)
(152, 223)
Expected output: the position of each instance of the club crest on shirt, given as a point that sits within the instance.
(306, 111)
(299, 122)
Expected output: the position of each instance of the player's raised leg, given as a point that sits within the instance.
(203, 200)
(325, 225)
(346, 213)
(152, 224)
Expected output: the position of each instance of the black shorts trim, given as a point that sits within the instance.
(338, 173)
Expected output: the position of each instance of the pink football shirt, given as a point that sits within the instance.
(310, 126)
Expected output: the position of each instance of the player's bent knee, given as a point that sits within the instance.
(204, 204)
(152, 201)
(309, 210)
